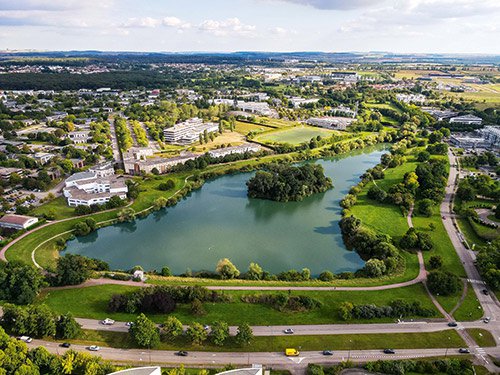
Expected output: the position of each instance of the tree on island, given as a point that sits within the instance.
(285, 183)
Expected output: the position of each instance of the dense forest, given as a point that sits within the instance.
(285, 183)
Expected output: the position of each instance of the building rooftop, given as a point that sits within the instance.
(15, 219)
(81, 176)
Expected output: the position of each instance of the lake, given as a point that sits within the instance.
(220, 221)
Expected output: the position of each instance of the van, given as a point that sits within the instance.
(291, 352)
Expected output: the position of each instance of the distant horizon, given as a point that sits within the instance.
(402, 26)
(33, 50)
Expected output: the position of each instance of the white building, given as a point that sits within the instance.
(298, 101)
(411, 98)
(467, 119)
(43, 157)
(492, 135)
(188, 131)
(348, 77)
(247, 147)
(17, 222)
(79, 136)
(259, 108)
(336, 123)
(91, 187)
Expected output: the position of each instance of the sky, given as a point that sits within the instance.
(402, 26)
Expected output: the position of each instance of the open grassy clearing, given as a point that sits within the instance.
(295, 135)
(92, 303)
(470, 309)
(482, 337)
(247, 127)
(232, 138)
(442, 243)
(470, 235)
(279, 343)
(58, 206)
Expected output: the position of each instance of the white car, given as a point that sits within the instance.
(26, 339)
(108, 322)
(94, 348)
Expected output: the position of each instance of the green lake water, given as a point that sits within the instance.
(220, 221)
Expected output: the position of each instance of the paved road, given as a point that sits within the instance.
(324, 329)
(247, 358)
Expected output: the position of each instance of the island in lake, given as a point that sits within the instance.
(284, 182)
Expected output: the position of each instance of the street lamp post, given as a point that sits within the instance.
(349, 352)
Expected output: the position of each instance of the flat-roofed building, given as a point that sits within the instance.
(492, 135)
(88, 188)
(467, 119)
(79, 136)
(188, 131)
(17, 222)
(162, 165)
(335, 123)
(246, 147)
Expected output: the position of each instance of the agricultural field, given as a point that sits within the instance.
(295, 135)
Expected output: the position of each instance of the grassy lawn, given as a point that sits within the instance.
(441, 241)
(92, 303)
(294, 135)
(482, 337)
(482, 231)
(58, 206)
(279, 343)
(469, 233)
(247, 127)
(470, 307)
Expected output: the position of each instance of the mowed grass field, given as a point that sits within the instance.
(92, 303)
(295, 135)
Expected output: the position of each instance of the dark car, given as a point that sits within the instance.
(452, 324)
(327, 352)
(65, 345)
(485, 292)
(389, 351)
(464, 351)
(182, 353)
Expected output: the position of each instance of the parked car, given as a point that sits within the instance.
(65, 345)
(288, 331)
(94, 348)
(389, 351)
(485, 292)
(129, 324)
(26, 339)
(452, 324)
(327, 352)
(464, 351)
(182, 353)
(108, 322)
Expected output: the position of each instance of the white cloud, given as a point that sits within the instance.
(141, 22)
(228, 27)
(280, 31)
